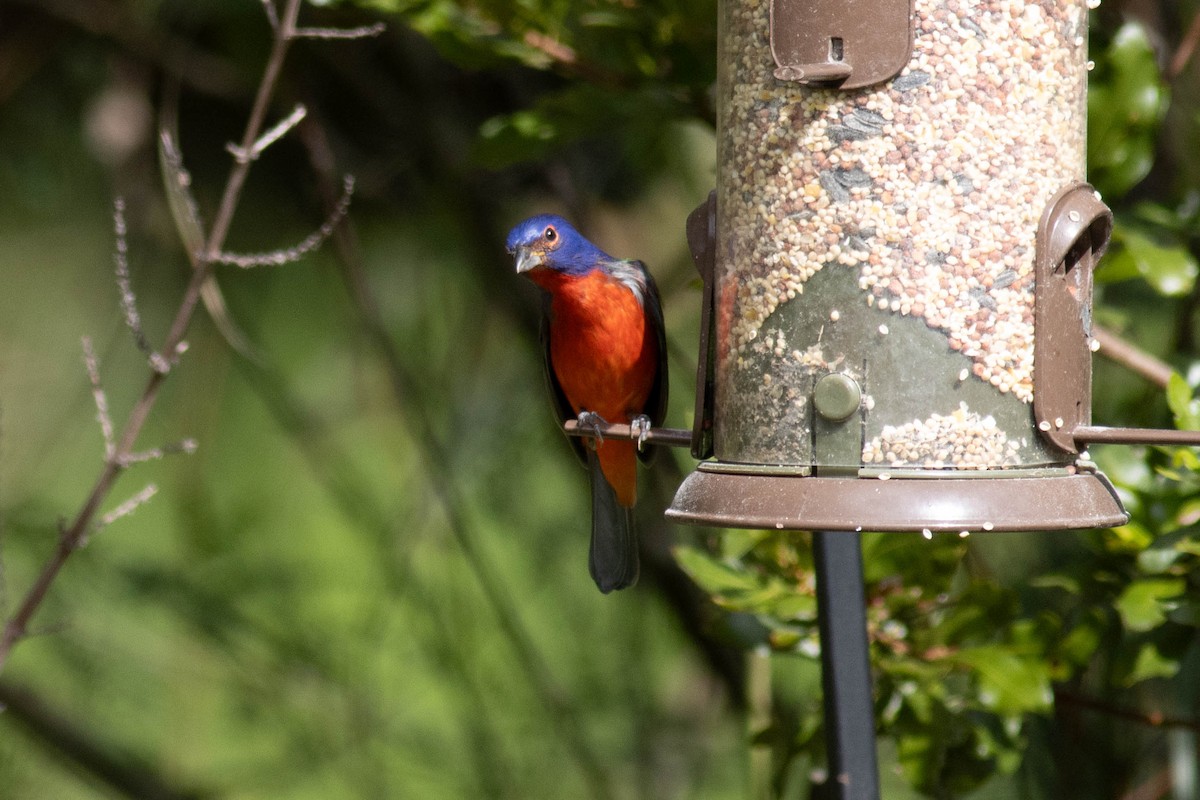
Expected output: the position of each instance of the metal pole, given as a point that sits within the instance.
(845, 668)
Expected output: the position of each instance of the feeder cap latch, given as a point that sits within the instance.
(846, 44)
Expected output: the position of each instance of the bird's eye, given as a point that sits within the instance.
(550, 235)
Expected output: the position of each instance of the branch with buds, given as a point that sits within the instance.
(205, 251)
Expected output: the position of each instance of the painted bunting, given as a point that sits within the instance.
(605, 350)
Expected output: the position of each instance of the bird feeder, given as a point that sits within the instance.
(896, 330)
(898, 269)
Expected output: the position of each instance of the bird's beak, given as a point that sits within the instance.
(527, 259)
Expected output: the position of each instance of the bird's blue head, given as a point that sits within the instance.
(548, 240)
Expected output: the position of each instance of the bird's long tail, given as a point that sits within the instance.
(613, 556)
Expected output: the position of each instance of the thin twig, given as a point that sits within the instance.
(128, 507)
(190, 227)
(133, 320)
(314, 240)
(272, 14)
(1183, 53)
(277, 132)
(70, 538)
(1119, 351)
(121, 263)
(364, 32)
(184, 446)
(1153, 719)
(557, 51)
(100, 398)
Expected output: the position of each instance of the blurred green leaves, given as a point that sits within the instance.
(1142, 603)
(574, 114)
(293, 610)
(614, 71)
(1126, 103)
(1169, 268)
(957, 665)
(297, 610)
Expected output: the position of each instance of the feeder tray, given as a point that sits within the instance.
(789, 502)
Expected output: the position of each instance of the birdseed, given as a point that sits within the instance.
(961, 439)
(930, 187)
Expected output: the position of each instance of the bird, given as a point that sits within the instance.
(604, 344)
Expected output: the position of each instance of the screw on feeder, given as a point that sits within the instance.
(836, 397)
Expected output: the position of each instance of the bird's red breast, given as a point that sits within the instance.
(605, 356)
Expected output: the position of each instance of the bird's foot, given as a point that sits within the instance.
(641, 423)
(591, 421)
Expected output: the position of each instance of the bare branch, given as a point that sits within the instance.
(567, 60)
(277, 258)
(124, 458)
(133, 320)
(128, 507)
(1121, 352)
(71, 536)
(272, 14)
(270, 137)
(101, 399)
(121, 262)
(237, 177)
(364, 32)
(185, 446)
(191, 232)
(1183, 53)
(1152, 719)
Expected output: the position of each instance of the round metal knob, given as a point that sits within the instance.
(836, 397)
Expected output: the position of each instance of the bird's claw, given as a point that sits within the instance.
(591, 421)
(641, 423)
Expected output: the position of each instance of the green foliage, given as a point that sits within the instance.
(956, 666)
(1126, 103)
(299, 612)
(1168, 268)
(297, 609)
(625, 69)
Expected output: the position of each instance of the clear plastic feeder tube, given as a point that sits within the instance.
(887, 234)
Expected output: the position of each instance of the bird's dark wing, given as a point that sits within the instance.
(558, 398)
(656, 403)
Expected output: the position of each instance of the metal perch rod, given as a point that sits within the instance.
(671, 437)
(1096, 434)
(1086, 434)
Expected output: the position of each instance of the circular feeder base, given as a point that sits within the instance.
(1057, 502)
